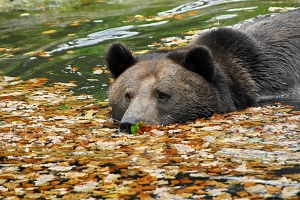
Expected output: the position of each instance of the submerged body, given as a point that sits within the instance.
(223, 70)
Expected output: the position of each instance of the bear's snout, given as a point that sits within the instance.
(125, 127)
(141, 109)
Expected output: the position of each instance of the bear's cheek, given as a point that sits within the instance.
(118, 110)
(117, 102)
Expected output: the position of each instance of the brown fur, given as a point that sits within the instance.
(222, 71)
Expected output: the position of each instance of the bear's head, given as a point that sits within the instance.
(163, 87)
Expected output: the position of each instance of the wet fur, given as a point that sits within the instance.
(222, 71)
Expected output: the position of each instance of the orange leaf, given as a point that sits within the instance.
(97, 68)
(111, 80)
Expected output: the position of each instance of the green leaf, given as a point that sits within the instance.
(64, 107)
(134, 128)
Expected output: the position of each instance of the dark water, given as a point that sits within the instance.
(71, 36)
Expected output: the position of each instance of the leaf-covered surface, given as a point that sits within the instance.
(54, 145)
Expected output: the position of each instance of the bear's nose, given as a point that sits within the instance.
(125, 127)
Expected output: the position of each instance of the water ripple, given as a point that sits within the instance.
(97, 37)
(195, 6)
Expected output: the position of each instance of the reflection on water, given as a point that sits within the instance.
(97, 37)
(222, 17)
(109, 34)
(81, 33)
(196, 5)
(292, 100)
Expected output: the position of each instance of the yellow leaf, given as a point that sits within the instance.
(31, 53)
(76, 23)
(89, 79)
(179, 16)
(50, 32)
(12, 50)
(140, 17)
(112, 196)
(65, 84)
(190, 32)
(284, 110)
(103, 103)
(89, 114)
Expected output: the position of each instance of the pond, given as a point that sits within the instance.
(56, 144)
(65, 41)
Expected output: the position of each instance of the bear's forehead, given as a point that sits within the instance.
(149, 74)
(160, 68)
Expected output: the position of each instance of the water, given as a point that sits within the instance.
(66, 40)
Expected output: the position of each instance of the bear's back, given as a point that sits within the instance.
(278, 39)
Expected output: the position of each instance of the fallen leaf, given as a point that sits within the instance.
(49, 32)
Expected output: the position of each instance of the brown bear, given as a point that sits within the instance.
(224, 70)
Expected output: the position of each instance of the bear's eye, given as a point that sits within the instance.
(127, 96)
(163, 96)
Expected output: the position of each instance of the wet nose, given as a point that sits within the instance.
(125, 127)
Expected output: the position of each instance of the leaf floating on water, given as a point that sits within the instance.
(111, 80)
(74, 69)
(209, 139)
(64, 107)
(76, 23)
(12, 49)
(41, 180)
(92, 79)
(140, 17)
(285, 110)
(280, 9)
(88, 187)
(49, 32)
(141, 52)
(83, 97)
(9, 79)
(97, 70)
(55, 143)
(291, 191)
(103, 103)
(254, 140)
(37, 80)
(89, 114)
(43, 54)
(25, 14)
(66, 84)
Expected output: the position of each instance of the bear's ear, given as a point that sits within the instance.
(197, 59)
(118, 59)
(200, 61)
